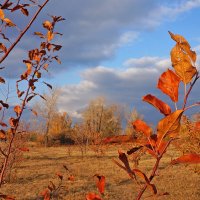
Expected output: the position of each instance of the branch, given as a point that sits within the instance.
(4, 3)
(23, 32)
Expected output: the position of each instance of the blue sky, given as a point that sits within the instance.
(116, 49)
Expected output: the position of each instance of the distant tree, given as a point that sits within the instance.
(102, 118)
(130, 117)
(46, 110)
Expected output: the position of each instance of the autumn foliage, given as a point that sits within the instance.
(168, 128)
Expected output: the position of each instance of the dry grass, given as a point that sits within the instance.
(41, 164)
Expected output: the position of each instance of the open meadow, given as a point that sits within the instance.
(40, 166)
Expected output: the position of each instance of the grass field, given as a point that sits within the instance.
(41, 164)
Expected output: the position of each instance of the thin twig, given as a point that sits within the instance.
(23, 32)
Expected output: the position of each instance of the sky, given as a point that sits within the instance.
(112, 48)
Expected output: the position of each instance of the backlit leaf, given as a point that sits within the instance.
(8, 22)
(141, 126)
(187, 159)
(47, 25)
(50, 36)
(169, 125)
(1, 14)
(39, 34)
(168, 83)
(100, 183)
(17, 110)
(157, 103)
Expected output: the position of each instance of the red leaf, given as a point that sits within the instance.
(100, 183)
(141, 126)
(168, 83)
(24, 149)
(157, 103)
(188, 158)
(93, 196)
(71, 178)
(60, 176)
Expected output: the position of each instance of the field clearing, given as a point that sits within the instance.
(41, 164)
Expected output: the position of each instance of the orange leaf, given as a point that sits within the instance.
(168, 83)
(71, 178)
(3, 47)
(8, 22)
(47, 25)
(2, 134)
(45, 194)
(13, 122)
(141, 126)
(169, 125)
(93, 196)
(100, 183)
(1, 14)
(183, 59)
(50, 36)
(6, 197)
(17, 110)
(188, 158)
(157, 103)
(24, 149)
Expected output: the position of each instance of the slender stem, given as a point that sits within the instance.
(23, 32)
(190, 89)
(153, 173)
(193, 105)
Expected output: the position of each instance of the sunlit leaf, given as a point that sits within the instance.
(47, 25)
(1, 14)
(169, 125)
(3, 47)
(8, 22)
(39, 34)
(71, 178)
(25, 149)
(100, 183)
(17, 110)
(93, 196)
(50, 36)
(187, 159)
(141, 126)
(183, 59)
(168, 83)
(157, 103)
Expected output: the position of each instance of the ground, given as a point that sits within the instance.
(40, 165)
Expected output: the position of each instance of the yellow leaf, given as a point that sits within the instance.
(1, 14)
(50, 36)
(47, 25)
(8, 22)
